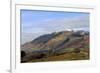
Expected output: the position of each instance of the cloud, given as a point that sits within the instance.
(31, 30)
(71, 23)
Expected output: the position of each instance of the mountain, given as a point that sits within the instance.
(55, 44)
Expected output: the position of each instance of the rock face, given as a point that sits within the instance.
(53, 44)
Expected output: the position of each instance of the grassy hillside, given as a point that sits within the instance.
(61, 46)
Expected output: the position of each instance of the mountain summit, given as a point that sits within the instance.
(56, 44)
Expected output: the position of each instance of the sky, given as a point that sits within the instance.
(35, 23)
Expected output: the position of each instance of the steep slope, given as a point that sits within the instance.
(54, 44)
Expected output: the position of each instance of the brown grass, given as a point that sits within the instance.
(65, 57)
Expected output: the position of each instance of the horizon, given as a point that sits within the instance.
(35, 23)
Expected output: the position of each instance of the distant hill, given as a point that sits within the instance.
(57, 43)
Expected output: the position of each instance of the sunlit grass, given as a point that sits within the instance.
(69, 55)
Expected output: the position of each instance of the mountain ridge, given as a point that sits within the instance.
(54, 43)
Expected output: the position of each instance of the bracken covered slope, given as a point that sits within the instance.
(64, 45)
